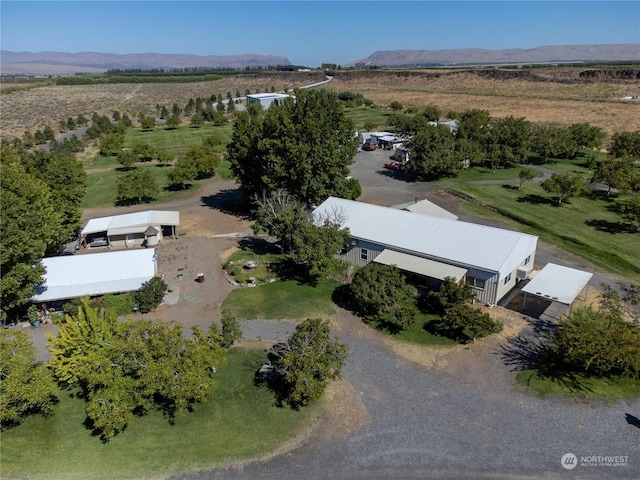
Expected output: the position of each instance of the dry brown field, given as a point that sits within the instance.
(552, 95)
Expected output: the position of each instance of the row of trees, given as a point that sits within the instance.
(440, 151)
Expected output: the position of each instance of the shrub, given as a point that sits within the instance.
(231, 331)
(150, 294)
(122, 304)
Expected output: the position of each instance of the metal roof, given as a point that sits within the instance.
(95, 274)
(425, 207)
(558, 283)
(131, 222)
(421, 266)
(461, 243)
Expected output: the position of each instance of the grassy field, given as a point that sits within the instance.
(362, 115)
(606, 389)
(587, 226)
(103, 172)
(240, 420)
(180, 139)
(282, 300)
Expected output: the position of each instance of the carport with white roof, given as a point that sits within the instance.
(560, 284)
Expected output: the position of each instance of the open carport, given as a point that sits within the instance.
(556, 283)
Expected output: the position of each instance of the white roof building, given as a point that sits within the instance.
(95, 274)
(131, 222)
(493, 258)
(266, 99)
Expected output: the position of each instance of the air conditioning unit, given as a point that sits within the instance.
(522, 273)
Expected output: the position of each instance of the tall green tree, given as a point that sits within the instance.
(597, 341)
(508, 141)
(625, 144)
(434, 154)
(304, 145)
(111, 144)
(28, 224)
(144, 150)
(586, 135)
(25, 386)
(525, 175)
(316, 246)
(563, 186)
(136, 186)
(308, 361)
(613, 172)
(473, 124)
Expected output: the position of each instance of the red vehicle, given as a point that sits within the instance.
(393, 165)
(369, 147)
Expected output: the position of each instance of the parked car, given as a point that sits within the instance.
(393, 165)
(369, 147)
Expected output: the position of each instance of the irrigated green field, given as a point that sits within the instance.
(587, 226)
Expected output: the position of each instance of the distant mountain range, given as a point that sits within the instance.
(558, 53)
(58, 63)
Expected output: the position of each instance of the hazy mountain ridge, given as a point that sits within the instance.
(557, 53)
(55, 62)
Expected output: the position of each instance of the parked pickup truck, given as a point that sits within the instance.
(369, 147)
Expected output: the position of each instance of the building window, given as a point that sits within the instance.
(527, 260)
(475, 283)
(364, 254)
(507, 279)
(344, 249)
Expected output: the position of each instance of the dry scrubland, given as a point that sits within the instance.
(549, 95)
(560, 99)
(31, 109)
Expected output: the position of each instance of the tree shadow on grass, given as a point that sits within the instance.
(537, 200)
(608, 227)
(531, 352)
(178, 188)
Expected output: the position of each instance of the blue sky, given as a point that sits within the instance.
(310, 32)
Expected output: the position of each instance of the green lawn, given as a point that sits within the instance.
(180, 139)
(362, 115)
(417, 333)
(484, 173)
(587, 226)
(102, 190)
(606, 389)
(282, 300)
(240, 420)
(101, 184)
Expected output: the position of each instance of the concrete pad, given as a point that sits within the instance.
(172, 297)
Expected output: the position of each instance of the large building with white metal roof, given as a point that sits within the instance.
(429, 248)
(95, 274)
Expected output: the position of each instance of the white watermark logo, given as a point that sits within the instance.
(569, 461)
